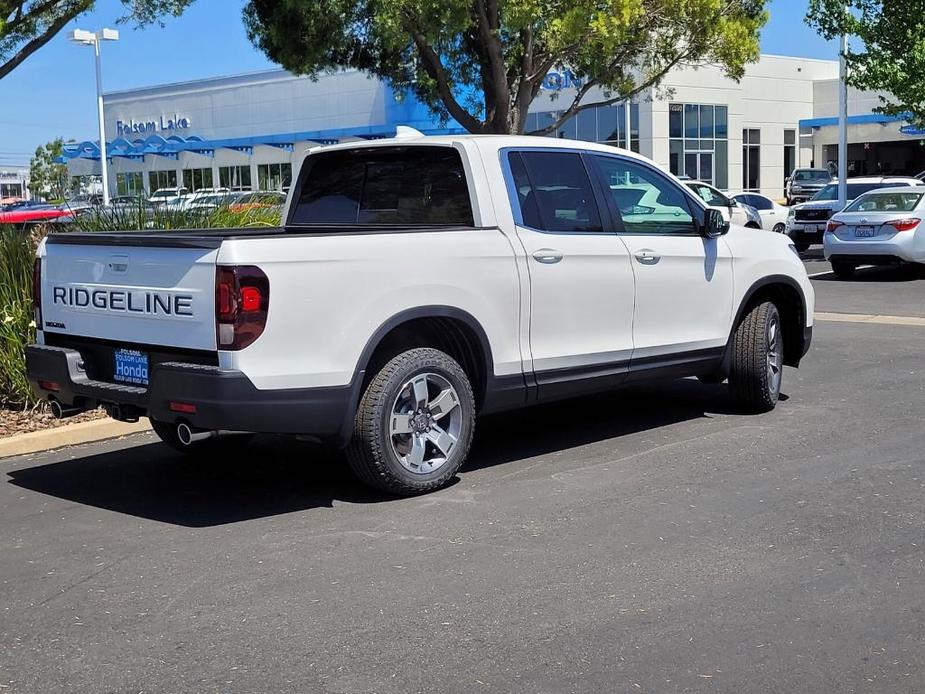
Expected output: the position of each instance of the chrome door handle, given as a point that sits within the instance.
(547, 256)
(647, 257)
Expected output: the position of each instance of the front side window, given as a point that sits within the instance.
(709, 195)
(648, 202)
(554, 191)
(394, 185)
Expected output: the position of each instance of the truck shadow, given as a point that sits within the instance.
(272, 476)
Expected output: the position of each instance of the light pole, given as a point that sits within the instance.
(843, 124)
(90, 38)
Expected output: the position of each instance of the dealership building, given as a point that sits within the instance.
(250, 131)
(14, 182)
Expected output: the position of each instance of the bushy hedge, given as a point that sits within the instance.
(17, 254)
(17, 329)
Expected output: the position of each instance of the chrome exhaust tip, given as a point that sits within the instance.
(60, 411)
(188, 436)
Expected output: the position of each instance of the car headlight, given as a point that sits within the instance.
(791, 214)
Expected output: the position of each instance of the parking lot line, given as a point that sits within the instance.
(870, 318)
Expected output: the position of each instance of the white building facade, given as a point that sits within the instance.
(14, 182)
(250, 131)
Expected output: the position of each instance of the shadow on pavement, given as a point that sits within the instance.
(884, 273)
(271, 476)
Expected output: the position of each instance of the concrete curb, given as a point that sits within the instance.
(68, 435)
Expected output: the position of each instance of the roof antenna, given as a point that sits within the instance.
(405, 132)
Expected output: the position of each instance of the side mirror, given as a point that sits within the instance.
(715, 223)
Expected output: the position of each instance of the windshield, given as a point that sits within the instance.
(855, 190)
(164, 193)
(885, 202)
(812, 175)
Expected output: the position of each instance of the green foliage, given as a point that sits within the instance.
(17, 329)
(27, 25)
(482, 62)
(47, 178)
(892, 54)
(142, 217)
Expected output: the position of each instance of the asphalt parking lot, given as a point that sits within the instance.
(644, 541)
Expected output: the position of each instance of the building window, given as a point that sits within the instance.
(698, 144)
(605, 124)
(197, 179)
(161, 179)
(790, 153)
(274, 176)
(751, 159)
(131, 183)
(11, 190)
(235, 177)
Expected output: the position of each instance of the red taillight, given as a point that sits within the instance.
(183, 407)
(49, 385)
(37, 293)
(242, 300)
(832, 225)
(904, 224)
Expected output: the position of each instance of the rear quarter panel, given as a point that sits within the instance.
(330, 293)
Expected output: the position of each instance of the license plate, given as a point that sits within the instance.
(131, 367)
(863, 231)
(820, 227)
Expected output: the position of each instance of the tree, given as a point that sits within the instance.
(27, 25)
(483, 62)
(892, 57)
(47, 178)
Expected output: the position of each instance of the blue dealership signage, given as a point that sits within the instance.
(911, 130)
(556, 81)
(163, 124)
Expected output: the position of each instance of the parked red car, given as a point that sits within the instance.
(28, 216)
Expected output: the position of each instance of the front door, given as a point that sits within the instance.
(581, 276)
(684, 284)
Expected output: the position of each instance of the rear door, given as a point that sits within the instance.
(581, 278)
(138, 295)
(684, 283)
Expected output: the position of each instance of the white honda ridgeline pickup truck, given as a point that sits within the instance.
(416, 283)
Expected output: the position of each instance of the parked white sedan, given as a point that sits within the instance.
(773, 215)
(878, 228)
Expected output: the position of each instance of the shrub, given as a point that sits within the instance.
(17, 328)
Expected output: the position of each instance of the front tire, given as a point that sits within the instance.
(756, 367)
(414, 424)
(843, 270)
(779, 228)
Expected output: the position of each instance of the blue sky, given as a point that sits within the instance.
(53, 92)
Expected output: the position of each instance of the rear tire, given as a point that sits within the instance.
(779, 228)
(414, 424)
(843, 270)
(756, 368)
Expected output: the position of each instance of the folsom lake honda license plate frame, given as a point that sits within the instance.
(130, 366)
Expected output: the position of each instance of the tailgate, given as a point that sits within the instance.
(136, 294)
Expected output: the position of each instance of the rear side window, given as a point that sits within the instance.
(389, 186)
(554, 191)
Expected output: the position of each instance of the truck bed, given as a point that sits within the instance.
(180, 238)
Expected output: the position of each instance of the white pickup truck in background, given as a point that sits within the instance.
(416, 283)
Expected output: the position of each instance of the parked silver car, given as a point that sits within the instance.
(880, 227)
(739, 213)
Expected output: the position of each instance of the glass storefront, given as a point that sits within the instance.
(604, 124)
(132, 183)
(197, 179)
(699, 142)
(161, 179)
(274, 176)
(235, 177)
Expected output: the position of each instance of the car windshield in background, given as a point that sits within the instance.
(418, 185)
(885, 202)
(855, 190)
(815, 176)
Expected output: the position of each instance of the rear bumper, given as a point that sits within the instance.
(901, 246)
(222, 399)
